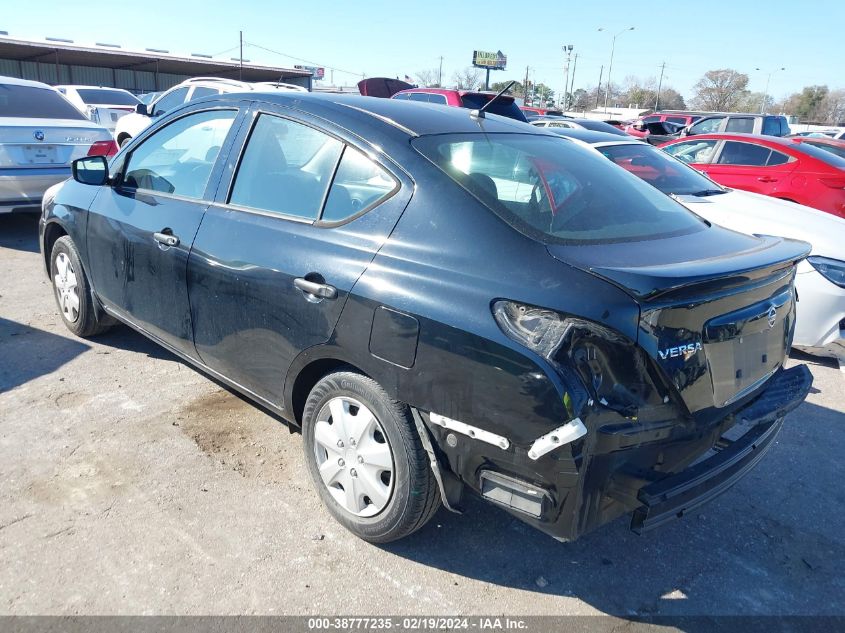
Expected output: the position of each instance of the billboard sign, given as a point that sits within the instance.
(317, 72)
(489, 61)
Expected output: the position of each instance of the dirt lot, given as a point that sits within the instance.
(130, 484)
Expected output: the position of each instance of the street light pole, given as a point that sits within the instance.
(766, 91)
(610, 66)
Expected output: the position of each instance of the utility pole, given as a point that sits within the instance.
(610, 67)
(659, 86)
(598, 88)
(241, 58)
(574, 68)
(567, 48)
(525, 88)
(440, 73)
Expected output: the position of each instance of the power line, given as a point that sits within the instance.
(304, 61)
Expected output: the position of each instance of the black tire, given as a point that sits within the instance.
(88, 319)
(415, 497)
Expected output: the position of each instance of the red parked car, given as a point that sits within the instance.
(638, 128)
(786, 168)
(504, 105)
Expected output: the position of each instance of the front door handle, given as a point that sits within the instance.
(166, 238)
(324, 291)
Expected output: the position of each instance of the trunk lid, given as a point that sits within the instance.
(47, 143)
(717, 308)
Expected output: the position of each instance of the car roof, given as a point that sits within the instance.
(592, 137)
(737, 136)
(14, 81)
(416, 118)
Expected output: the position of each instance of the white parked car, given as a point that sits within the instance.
(40, 134)
(102, 105)
(130, 126)
(820, 282)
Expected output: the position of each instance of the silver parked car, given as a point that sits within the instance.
(41, 132)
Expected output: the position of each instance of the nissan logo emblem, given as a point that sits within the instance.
(772, 316)
(39, 135)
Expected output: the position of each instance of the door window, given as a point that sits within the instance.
(419, 96)
(170, 101)
(742, 125)
(734, 153)
(359, 184)
(707, 126)
(201, 91)
(286, 168)
(681, 120)
(178, 159)
(777, 158)
(693, 151)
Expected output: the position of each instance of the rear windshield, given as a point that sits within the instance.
(832, 155)
(658, 169)
(35, 103)
(502, 106)
(106, 97)
(556, 191)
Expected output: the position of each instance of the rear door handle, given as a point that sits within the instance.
(767, 179)
(324, 291)
(166, 239)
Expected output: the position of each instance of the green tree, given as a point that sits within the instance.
(515, 90)
(720, 90)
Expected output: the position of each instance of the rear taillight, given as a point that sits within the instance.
(103, 148)
(835, 183)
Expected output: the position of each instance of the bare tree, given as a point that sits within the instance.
(720, 90)
(832, 107)
(467, 79)
(429, 78)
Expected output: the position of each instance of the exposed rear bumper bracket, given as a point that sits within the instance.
(677, 494)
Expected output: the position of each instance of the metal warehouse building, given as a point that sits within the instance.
(61, 61)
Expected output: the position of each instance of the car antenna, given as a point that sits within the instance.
(479, 114)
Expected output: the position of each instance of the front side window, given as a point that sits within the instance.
(358, 185)
(555, 191)
(734, 153)
(707, 126)
(178, 158)
(693, 152)
(285, 168)
(170, 101)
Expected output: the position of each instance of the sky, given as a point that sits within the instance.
(394, 38)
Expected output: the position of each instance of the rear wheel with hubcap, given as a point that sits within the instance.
(366, 459)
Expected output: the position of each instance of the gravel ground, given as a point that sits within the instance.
(132, 484)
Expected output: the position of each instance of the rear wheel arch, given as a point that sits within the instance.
(307, 377)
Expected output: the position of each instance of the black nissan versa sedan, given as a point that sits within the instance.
(441, 299)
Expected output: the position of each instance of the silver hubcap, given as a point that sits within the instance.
(64, 279)
(354, 456)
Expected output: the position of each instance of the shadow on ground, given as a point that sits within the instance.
(35, 353)
(768, 546)
(19, 231)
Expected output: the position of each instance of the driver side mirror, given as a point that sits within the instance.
(141, 108)
(91, 170)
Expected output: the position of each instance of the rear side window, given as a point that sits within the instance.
(742, 125)
(435, 98)
(651, 119)
(734, 153)
(677, 119)
(106, 97)
(358, 185)
(771, 126)
(286, 168)
(35, 103)
(554, 190)
(777, 158)
(178, 158)
(419, 96)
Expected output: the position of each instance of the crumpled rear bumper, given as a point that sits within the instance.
(677, 494)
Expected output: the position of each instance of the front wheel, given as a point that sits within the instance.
(366, 458)
(80, 313)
